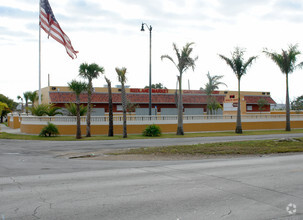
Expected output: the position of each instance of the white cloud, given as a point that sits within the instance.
(108, 33)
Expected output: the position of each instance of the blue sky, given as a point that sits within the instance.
(108, 33)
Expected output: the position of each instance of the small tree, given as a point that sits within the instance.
(262, 103)
(49, 130)
(131, 107)
(121, 72)
(152, 131)
(212, 84)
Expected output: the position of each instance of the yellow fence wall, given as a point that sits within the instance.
(165, 128)
(15, 123)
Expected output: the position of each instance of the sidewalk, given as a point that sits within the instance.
(3, 128)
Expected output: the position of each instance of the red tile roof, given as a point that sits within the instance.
(255, 99)
(66, 97)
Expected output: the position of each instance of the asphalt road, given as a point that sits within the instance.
(36, 184)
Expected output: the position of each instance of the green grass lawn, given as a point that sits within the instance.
(227, 148)
(4, 135)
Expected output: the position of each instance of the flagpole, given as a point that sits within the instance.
(39, 53)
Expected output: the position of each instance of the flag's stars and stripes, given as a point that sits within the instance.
(50, 25)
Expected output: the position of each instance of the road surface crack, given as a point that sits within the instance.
(35, 212)
(19, 185)
(230, 211)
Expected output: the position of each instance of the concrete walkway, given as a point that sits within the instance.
(4, 128)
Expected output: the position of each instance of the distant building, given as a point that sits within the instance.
(163, 100)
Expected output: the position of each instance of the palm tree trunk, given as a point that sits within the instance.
(124, 111)
(180, 109)
(78, 134)
(110, 113)
(88, 134)
(287, 106)
(239, 125)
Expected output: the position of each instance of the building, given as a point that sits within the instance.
(163, 100)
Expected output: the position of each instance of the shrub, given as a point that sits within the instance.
(49, 130)
(72, 109)
(152, 131)
(39, 110)
(45, 109)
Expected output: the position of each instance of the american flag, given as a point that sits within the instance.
(50, 25)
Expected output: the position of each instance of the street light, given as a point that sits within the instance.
(150, 89)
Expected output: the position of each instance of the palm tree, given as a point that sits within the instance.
(212, 84)
(33, 97)
(72, 109)
(89, 72)
(286, 61)
(184, 62)
(26, 96)
(239, 67)
(20, 98)
(122, 79)
(53, 110)
(110, 108)
(78, 88)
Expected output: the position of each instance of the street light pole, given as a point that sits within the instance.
(150, 43)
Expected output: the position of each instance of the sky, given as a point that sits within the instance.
(108, 33)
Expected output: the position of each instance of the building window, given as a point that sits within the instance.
(249, 108)
(119, 108)
(232, 96)
(229, 107)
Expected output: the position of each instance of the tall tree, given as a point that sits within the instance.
(183, 63)
(286, 61)
(26, 96)
(78, 88)
(239, 67)
(33, 97)
(20, 98)
(90, 72)
(262, 103)
(110, 108)
(212, 84)
(121, 72)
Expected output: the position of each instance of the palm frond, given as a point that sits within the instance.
(169, 58)
(121, 72)
(77, 87)
(286, 61)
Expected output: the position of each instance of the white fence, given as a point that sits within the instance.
(166, 119)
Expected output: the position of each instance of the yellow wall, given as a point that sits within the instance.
(15, 124)
(166, 128)
(284, 112)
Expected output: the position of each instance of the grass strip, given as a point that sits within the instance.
(258, 147)
(4, 135)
